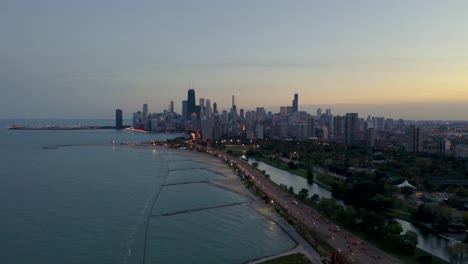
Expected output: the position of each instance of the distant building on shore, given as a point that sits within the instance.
(118, 119)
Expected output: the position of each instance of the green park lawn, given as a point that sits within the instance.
(289, 259)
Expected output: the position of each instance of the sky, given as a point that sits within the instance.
(84, 59)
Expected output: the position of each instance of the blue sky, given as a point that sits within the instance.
(84, 59)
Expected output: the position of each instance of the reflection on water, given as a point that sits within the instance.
(283, 177)
(428, 241)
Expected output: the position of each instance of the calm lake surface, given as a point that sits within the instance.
(90, 204)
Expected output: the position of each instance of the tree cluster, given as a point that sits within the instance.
(362, 192)
(373, 224)
(441, 217)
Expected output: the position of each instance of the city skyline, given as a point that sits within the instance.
(83, 60)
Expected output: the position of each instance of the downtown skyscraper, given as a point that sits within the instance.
(191, 107)
(295, 103)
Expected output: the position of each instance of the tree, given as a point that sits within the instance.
(310, 175)
(315, 197)
(347, 217)
(291, 190)
(329, 208)
(408, 242)
(439, 216)
(255, 164)
(458, 253)
(391, 231)
(303, 194)
(372, 222)
(379, 202)
(456, 202)
(292, 165)
(250, 182)
(465, 218)
(407, 190)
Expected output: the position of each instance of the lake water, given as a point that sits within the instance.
(91, 204)
(291, 180)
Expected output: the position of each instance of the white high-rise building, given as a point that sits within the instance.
(259, 131)
(325, 132)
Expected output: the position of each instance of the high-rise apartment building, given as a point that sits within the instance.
(310, 127)
(324, 132)
(283, 110)
(319, 112)
(351, 128)
(144, 113)
(259, 131)
(217, 132)
(208, 107)
(388, 124)
(137, 120)
(443, 147)
(261, 114)
(371, 136)
(338, 134)
(415, 142)
(379, 123)
(118, 119)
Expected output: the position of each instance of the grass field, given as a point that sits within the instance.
(237, 148)
(289, 259)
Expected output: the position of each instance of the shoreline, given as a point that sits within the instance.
(232, 183)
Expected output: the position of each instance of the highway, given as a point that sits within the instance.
(348, 247)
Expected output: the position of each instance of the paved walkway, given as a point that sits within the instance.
(302, 245)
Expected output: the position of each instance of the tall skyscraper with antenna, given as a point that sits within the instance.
(295, 103)
(171, 107)
(191, 107)
(234, 110)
